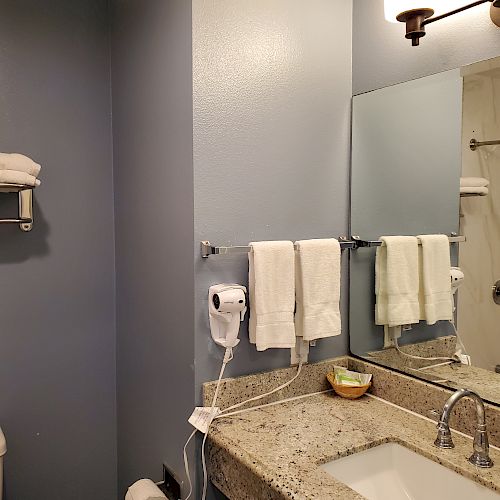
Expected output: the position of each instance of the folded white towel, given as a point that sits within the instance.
(474, 182)
(17, 177)
(474, 191)
(397, 281)
(435, 277)
(317, 289)
(17, 161)
(271, 280)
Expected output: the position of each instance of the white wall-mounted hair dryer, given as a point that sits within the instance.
(457, 279)
(227, 305)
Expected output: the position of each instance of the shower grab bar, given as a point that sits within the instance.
(207, 249)
(474, 144)
(377, 243)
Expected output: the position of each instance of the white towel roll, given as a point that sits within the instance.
(144, 489)
(17, 177)
(474, 182)
(19, 162)
(474, 191)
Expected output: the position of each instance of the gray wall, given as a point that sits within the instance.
(152, 133)
(272, 88)
(382, 56)
(57, 341)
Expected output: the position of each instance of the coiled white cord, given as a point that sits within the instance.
(256, 398)
(412, 356)
(454, 359)
(227, 357)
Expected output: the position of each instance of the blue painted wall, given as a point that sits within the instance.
(57, 337)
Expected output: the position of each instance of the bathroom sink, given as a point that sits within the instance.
(392, 472)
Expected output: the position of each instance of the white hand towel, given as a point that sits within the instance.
(436, 281)
(19, 162)
(317, 289)
(474, 182)
(271, 279)
(474, 191)
(16, 177)
(144, 489)
(397, 281)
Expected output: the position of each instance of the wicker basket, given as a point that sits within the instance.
(346, 391)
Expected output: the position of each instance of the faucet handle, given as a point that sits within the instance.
(481, 456)
(443, 439)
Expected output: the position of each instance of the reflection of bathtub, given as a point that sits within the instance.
(478, 316)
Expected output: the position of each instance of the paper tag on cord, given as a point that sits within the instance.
(202, 417)
(465, 359)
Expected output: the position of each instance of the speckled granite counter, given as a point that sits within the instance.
(275, 453)
(485, 382)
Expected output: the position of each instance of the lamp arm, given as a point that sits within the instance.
(452, 12)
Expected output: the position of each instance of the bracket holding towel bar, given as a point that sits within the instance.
(454, 238)
(474, 144)
(25, 196)
(207, 249)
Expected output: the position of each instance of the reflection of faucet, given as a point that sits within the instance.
(480, 456)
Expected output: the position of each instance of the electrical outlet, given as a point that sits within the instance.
(170, 486)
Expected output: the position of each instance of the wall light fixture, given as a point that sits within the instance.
(416, 16)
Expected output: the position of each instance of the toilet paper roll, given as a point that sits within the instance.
(144, 489)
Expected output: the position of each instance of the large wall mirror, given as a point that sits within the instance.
(414, 172)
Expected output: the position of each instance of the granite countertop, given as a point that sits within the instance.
(275, 452)
(485, 382)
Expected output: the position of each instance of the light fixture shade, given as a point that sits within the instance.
(393, 7)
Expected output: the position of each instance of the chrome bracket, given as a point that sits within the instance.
(26, 210)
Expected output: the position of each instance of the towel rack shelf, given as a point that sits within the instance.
(208, 249)
(474, 144)
(454, 238)
(25, 197)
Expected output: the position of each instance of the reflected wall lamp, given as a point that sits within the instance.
(417, 17)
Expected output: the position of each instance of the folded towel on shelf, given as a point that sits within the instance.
(19, 162)
(317, 289)
(474, 182)
(271, 280)
(397, 281)
(474, 191)
(435, 281)
(17, 177)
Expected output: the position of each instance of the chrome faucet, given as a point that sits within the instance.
(480, 455)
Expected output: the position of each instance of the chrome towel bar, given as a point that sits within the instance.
(454, 238)
(207, 249)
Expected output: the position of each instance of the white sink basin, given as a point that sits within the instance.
(392, 472)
